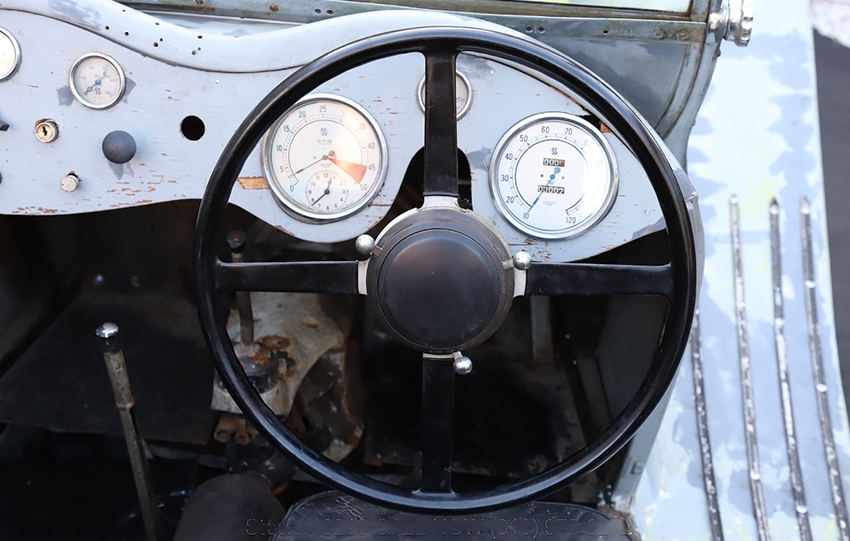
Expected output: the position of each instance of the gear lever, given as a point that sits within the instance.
(110, 345)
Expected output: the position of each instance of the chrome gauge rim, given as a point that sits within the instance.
(420, 94)
(16, 52)
(122, 81)
(281, 195)
(605, 188)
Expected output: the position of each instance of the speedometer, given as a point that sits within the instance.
(553, 176)
(325, 158)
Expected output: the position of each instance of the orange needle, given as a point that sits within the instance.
(354, 170)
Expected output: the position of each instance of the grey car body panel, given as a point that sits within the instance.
(756, 137)
(221, 82)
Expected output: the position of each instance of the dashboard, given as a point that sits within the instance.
(110, 107)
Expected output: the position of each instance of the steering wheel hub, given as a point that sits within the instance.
(439, 281)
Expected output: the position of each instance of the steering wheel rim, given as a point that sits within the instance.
(616, 112)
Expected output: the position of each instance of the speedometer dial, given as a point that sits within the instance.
(97, 81)
(325, 158)
(553, 176)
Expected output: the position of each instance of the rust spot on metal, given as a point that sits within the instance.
(274, 342)
(604, 129)
(253, 183)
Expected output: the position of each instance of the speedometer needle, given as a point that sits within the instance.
(551, 180)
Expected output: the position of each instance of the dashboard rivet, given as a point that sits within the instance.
(462, 364)
(70, 182)
(364, 244)
(522, 260)
(46, 131)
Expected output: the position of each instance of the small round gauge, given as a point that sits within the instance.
(463, 97)
(327, 189)
(553, 176)
(325, 158)
(97, 80)
(10, 54)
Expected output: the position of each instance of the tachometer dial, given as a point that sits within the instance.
(97, 80)
(325, 158)
(553, 176)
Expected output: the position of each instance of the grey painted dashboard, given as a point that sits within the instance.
(218, 70)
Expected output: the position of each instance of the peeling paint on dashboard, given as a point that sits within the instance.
(253, 183)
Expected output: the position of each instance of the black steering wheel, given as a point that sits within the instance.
(456, 245)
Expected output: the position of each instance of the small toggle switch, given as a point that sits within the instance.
(119, 147)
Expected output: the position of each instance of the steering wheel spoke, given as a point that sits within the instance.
(438, 396)
(599, 279)
(440, 122)
(333, 277)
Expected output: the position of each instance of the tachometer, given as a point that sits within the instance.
(325, 158)
(553, 175)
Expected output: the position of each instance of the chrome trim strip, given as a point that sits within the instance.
(750, 436)
(702, 431)
(797, 486)
(816, 351)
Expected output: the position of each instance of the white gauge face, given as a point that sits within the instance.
(463, 94)
(553, 176)
(10, 54)
(325, 158)
(97, 81)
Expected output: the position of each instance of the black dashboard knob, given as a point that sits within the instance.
(119, 147)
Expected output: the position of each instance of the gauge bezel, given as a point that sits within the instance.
(16, 47)
(420, 94)
(121, 78)
(280, 195)
(570, 232)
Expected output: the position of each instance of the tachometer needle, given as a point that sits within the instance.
(354, 170)
(323, 158)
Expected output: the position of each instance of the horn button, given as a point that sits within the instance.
(438, 282)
